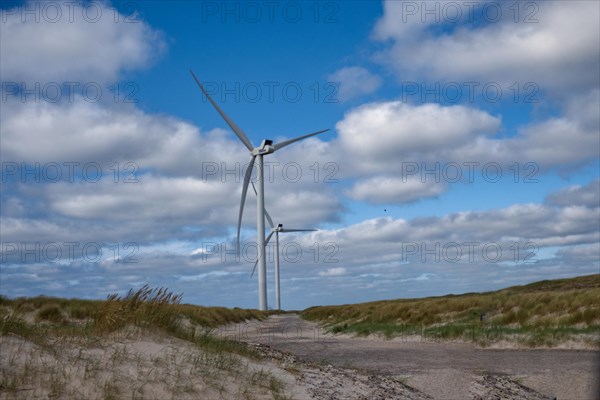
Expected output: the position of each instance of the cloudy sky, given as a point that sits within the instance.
(463, 151)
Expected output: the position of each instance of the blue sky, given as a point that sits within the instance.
(463, 153)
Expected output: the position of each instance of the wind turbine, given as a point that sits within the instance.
(275, 230)
(257, 153)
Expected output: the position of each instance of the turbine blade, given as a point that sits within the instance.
(269, 238)
(254, 269)
(256, 263)
(269, 219)
(298, 230)
(244, 191)
(280, 145)
(266, 213)
(236, 129)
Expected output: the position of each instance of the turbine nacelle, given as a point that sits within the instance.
(266, 147)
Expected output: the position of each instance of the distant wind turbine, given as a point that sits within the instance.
(257, 153)
(275, 230)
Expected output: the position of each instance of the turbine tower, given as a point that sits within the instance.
(275, 230)
(257, 153)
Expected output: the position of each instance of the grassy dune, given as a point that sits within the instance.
(141, 345)
(543, 313)
(151, 309)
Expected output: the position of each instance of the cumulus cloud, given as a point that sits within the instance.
(553, 45)
(381, 138)
(372, 258)
(381, 135)
(577, 195)
(386, 189)
(553, 49)
(81, 131)
(170, 176)
(558, 37)
(155, 208)
(387, 257)
(545, 225)
(354, 82)
(151, 197)
(82, 43)
(86, 132)
(569, 140)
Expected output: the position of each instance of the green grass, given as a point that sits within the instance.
(541, 313)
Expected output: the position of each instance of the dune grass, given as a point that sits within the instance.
(152, 309)
(45, 320)
(541, 313)
(66, 332)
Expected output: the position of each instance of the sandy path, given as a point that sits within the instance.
(441, 370)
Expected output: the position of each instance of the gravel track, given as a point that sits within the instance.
(422, 369)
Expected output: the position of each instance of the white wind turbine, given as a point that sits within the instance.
(257, 153)
(275, 230)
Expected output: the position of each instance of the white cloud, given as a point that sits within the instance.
(151, 197)
(199, 251)
(44, 132)
(571, 139)
(380, 135)
(199, 277)
(173, 150)
(84, 44)
(397, 190)
(87, 132)
(185, 200)
(589, 254)
(422, 277)
(369, 255)
(559, 51)
(354, 82)
(398, 21)
(380, 138)
(545, 225)
(588, 195)
(338, 271)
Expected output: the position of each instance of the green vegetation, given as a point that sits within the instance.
(50, 312)
(67, 331)
(541, 313)
(147, 308)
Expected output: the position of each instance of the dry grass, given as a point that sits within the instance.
(148, 308)
(540, 313)
(50, 346)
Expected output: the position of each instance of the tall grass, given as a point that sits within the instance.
(55, 325)
(541, 309)
(150, 309)
(51, 313)
(146, 307)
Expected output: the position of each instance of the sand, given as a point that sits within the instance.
(298, 360)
